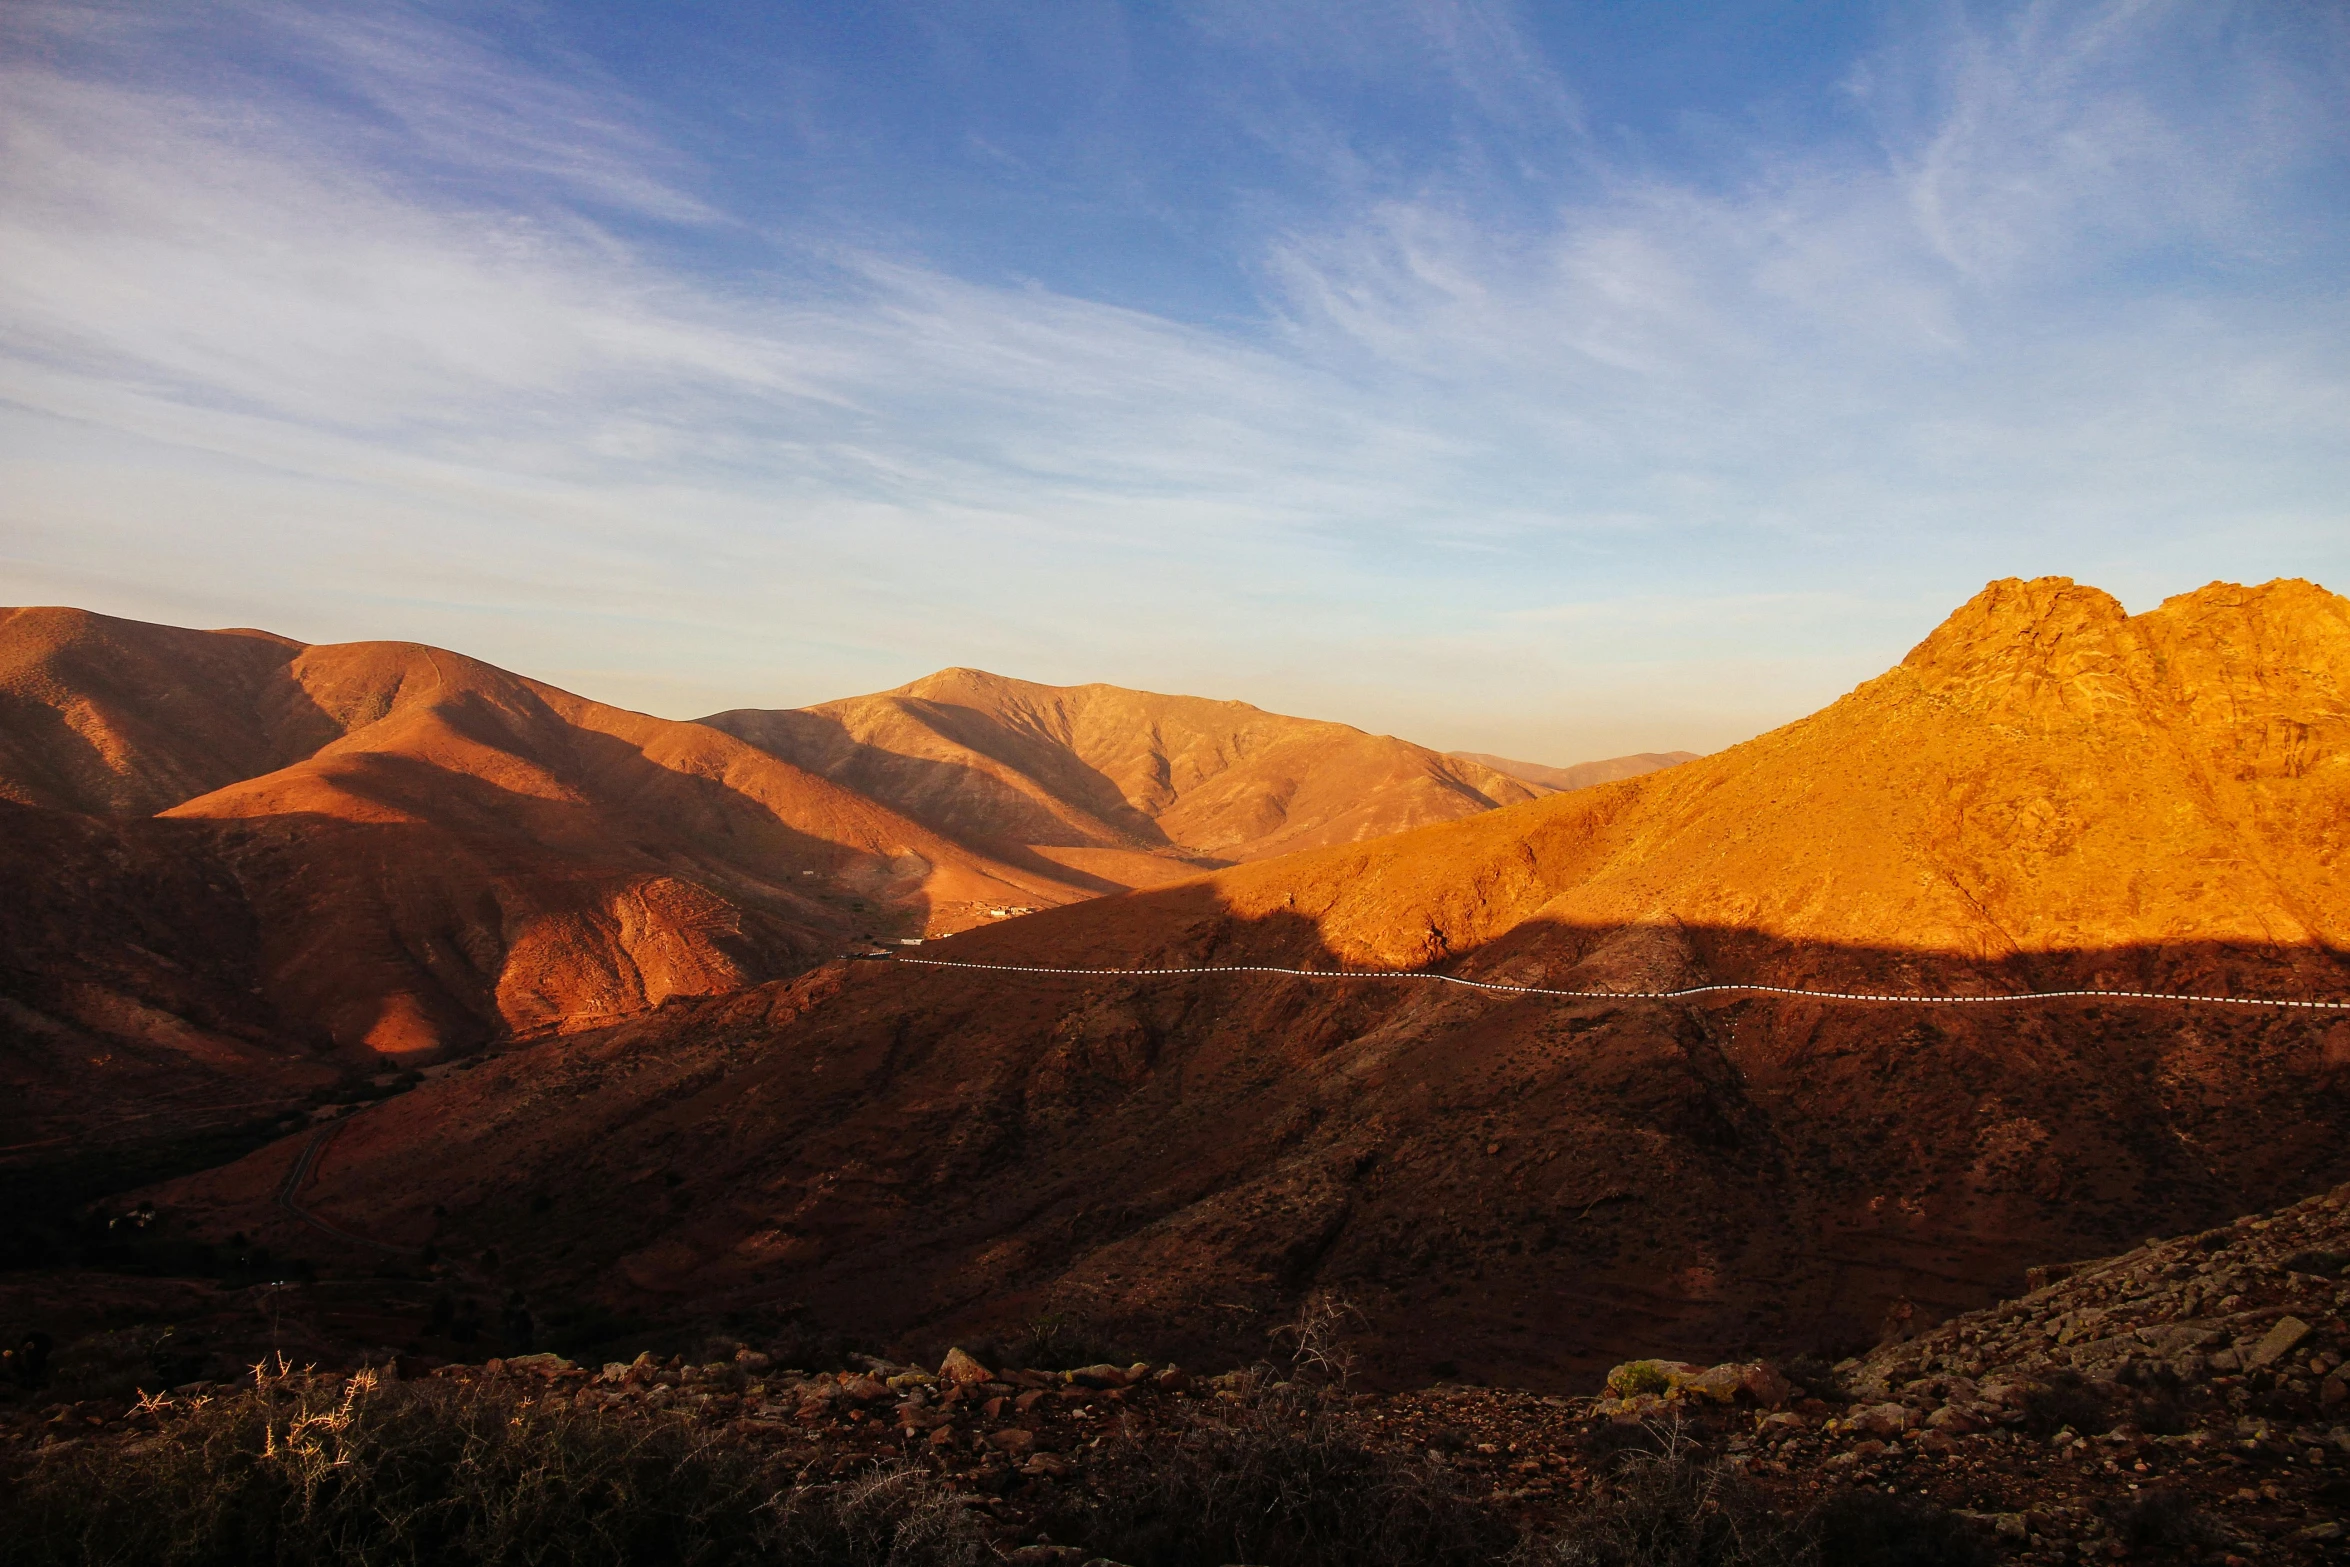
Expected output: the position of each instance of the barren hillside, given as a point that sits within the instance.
(382, 851)
(2047, 793)
(1131, 787)
(1583, 775)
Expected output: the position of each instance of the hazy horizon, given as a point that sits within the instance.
(1557, 383)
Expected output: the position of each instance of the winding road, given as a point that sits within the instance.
(2006, 998)
(304, 1166)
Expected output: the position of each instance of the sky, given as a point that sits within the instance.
(1553, 380)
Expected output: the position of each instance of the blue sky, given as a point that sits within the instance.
(1556, 380)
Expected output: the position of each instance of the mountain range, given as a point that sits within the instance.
(1121, 788)
(241, 868)
(2048, 793)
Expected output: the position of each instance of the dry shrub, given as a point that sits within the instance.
(1667, 1505)
(1057, 1341)
(891, 1518)
(1606, 1445)
(1273, 1480)
(300, 1468)
(1320, 1338)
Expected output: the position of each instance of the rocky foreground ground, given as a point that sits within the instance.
(2183, 1401)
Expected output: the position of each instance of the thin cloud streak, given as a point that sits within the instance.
(367, 387)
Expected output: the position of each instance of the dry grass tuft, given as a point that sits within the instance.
(365, 1472)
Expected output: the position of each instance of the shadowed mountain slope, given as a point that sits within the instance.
(415, 852)
(2047, 793)
(118, 718)
(1130, 786)
(1583, 775)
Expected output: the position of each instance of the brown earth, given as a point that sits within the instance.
(1583, 775)
(2182, 1401)
(233, 858)
(2048, 793)
(1131, 788)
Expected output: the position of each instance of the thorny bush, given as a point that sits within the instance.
(1318, 1338)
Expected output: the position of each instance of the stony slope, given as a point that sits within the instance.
(2205, 1369)
(2046, 793)
(2182, 1401)
(1132, 787)
(1583, 775)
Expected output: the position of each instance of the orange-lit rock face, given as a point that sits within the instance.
(1130, 786)
(387, 850)
(2047, 793)
(2042, 777)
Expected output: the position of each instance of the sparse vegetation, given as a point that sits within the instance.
(1273, 1479)
(1641, 1376)
(1666, 1504)
(298, 1468)
(1057, 1341)
(1320, 1339)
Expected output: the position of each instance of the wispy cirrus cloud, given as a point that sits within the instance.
(361, 322)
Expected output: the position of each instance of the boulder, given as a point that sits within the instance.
(1104, 1375)
(2170, 1340)
(865, 1389)
(960, 1367)
(2278, 1342)
(2006, 1393)
(1013, 1440)
(1715, 1384)
(539, 1365)
(1881, 1419)
(1764, 1384)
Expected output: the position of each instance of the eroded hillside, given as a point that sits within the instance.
(1131, 787)
(231, 850)
(2048, 793)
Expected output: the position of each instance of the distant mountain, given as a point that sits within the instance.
(2047, 793)
(228, 850)
(1583, 775)
(1130, 788)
